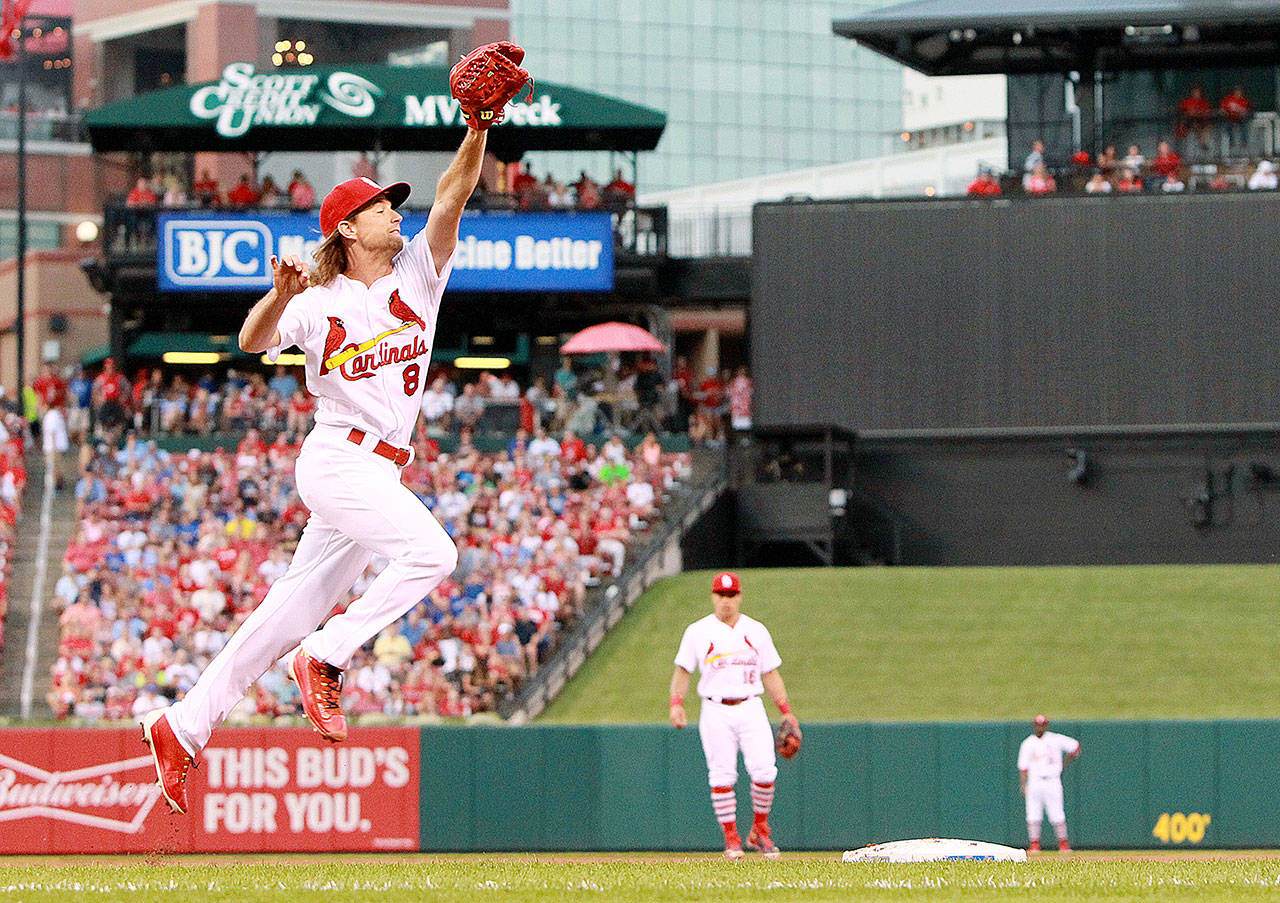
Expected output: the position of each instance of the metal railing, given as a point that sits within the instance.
(607, 603)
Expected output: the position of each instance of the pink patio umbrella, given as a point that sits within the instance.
(612, 336)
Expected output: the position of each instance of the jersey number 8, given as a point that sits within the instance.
(411, 379)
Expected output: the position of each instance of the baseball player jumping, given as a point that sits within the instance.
(1041, 758)
(738, 662)
(366, 318)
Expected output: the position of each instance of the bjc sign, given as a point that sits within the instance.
(73, 790)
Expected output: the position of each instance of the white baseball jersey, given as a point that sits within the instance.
(1041, 757)
(731, 659)
(391, 324)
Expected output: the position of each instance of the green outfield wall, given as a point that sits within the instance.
(1137, 784)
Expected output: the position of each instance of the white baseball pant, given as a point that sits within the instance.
(725, 729)
(1044, 795)
(358, 507)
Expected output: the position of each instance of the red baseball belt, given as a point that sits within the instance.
(398, 456)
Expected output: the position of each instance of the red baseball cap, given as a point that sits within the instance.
(726, 583)
(1041, 719)
(349, 196)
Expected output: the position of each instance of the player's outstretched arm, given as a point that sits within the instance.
(289, 277)
(772, 681)
(452, 193)
(679, 686)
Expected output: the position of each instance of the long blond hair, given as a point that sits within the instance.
(331, 259)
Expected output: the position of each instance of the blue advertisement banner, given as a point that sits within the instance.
(507, 252)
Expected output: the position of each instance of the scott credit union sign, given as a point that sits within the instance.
(245, 98)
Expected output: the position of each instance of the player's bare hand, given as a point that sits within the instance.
(289, 275)
(678, 717)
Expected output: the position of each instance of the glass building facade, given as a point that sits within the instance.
(749, 87)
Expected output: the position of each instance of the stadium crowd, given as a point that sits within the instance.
(13, 477)
(634, 398)
(173, 550)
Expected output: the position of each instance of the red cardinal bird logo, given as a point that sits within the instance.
(332, 342)
(403, 312)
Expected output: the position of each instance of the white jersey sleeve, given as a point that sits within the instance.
(688, 656)
(763, 640)
(1024, 755)
(1068, 745)
(298, 325)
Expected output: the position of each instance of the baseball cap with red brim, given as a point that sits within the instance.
(349, 196)
(1041, 719)
(726, 583)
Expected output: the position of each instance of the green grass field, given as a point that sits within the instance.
(955, 644)
(814, 878)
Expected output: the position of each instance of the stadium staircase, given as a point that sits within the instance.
(658, 556)
(62, 524)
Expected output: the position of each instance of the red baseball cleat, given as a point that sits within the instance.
(320, 685)
(1063, 846)
(760, 842)
(172, 761)
(1033, 847)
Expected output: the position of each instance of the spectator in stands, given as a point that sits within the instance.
(110, 395)
(364, 168)
(142, 194)
(710, 398)
(586, 192)
(80, 399)
(139, 224)
(175, 193)
(1098, 184)
(269, 195)
(566, 379)
(1264, 177)
(243, 194)
(559, 197)
(1035, 158)
(302, 196)
(1129, 181)
(283, 383)
(740, 390)
(1109, 163)
(618, 193)
(437, 404)
(468, 408)
(985, 185)
(1195, 117)
(1236, 111)
(1039, 181)
(1134, 160)
(1173, 184)
(1167, 161)
(52, 394)
(206, 190)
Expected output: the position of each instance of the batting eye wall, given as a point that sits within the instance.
(1017, 313)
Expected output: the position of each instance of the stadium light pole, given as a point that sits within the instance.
(20, 313)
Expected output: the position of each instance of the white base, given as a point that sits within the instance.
(935, 849)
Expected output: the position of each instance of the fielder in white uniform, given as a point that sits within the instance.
(738, 662)
(1041, 758)
(366, 318)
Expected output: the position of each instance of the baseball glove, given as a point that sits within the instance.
(787, 740)
(486, 79)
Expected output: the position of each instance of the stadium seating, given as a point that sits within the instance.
(173, 550)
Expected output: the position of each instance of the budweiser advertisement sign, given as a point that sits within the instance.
(94, 791)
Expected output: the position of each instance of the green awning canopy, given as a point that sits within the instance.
(155, 344)
(360, 107)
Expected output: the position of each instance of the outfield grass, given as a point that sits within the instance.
(922, 644)
(702, 878)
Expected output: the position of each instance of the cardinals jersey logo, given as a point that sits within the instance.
(332, 342)
(403, 312)
(336, 353)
